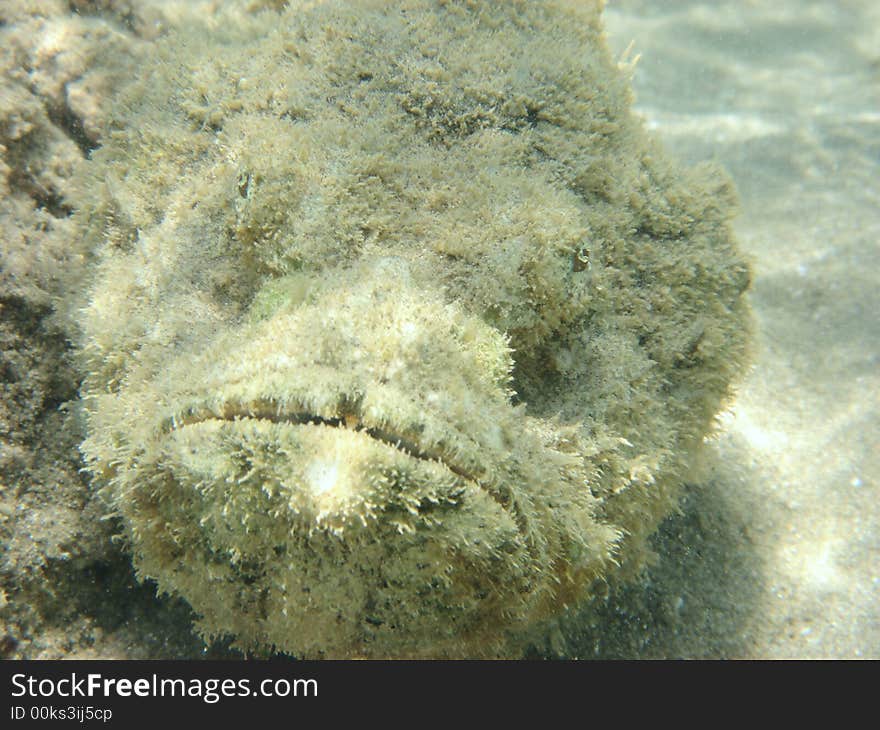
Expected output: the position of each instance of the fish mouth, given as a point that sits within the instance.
(348, 415)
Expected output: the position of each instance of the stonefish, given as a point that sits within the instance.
(400, 334)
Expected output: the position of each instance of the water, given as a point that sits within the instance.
(775, 552)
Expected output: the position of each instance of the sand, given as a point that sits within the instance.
(775, 554)
(778, 555)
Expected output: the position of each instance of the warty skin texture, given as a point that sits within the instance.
(401, 335)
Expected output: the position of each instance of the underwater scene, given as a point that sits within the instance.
(439, 329)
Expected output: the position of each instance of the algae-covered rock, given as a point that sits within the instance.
(402, 334)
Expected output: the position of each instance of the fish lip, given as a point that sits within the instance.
(347, 416)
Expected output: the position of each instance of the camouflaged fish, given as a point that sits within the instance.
(401, 334)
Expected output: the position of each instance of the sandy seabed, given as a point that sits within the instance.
(776, 554)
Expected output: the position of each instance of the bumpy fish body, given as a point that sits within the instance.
(401, 333)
